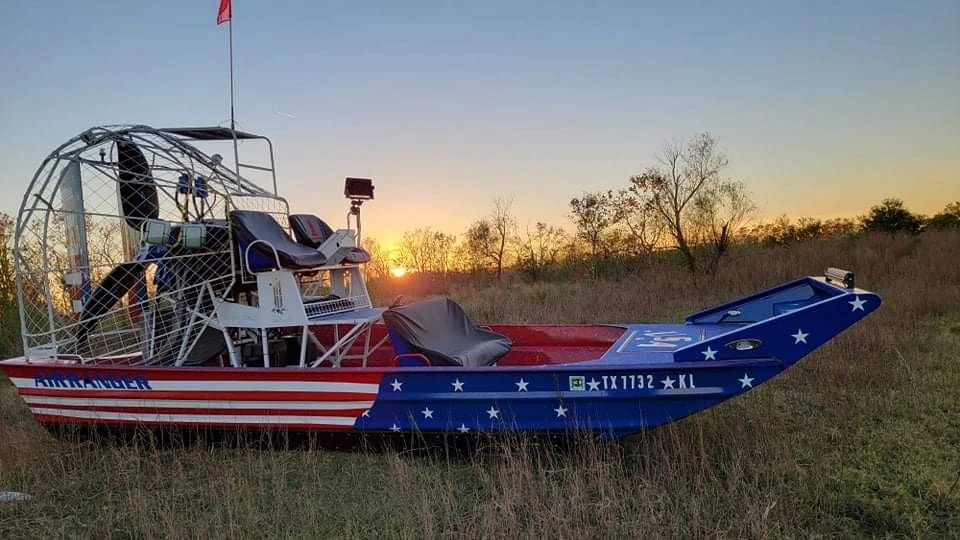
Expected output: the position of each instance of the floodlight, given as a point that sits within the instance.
(358, 189)
(845, 277)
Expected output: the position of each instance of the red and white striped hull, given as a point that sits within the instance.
(301, 399)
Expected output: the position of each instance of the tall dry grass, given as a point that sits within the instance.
(860, 439)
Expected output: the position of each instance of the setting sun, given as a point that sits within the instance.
(398, 272)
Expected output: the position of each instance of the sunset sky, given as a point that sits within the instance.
(823, 107)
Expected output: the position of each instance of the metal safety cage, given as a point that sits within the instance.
(123, 247)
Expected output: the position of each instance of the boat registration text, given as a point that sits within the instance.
(638, 381)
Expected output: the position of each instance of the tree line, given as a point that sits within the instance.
(684, 206)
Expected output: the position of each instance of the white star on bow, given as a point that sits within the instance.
(457, 385)
(427, 413)
(709, 354)
(521, 385)
(668, 382)
(746, 382)
(394, 428)
(493, 412)
(799, 337)
(561, 411)
(366, 413)
(593, 385)
(463, 428)
(396, 385)
(857, 303)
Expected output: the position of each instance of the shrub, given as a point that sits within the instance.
(891, 216)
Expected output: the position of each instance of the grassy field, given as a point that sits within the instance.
(860, 439)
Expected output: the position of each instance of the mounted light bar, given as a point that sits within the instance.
(358, 189)
(844, 277)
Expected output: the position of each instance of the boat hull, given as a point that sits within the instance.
(622, 379)
(611, 401)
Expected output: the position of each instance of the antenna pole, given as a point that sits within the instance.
(233, 124)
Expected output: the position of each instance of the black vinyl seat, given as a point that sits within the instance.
(310, 230)
(250, 226)
(439, 329)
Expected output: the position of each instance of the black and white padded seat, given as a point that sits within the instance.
(250, 226)
(312, 231)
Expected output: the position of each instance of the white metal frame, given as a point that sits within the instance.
(170, 321)
(281, 303)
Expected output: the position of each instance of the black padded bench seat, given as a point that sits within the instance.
(439, 329)
(250, 226)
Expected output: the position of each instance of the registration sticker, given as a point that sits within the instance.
(577, 383)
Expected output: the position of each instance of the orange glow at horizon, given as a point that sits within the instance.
(398, 271)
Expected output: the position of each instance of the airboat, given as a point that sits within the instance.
(160, 285)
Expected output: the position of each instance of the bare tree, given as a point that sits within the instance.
(414, 248)
(638, 216)
(593, 214)
(690, 199)
(539, 248)
(718, 212)
(487, 239)
(380, 259)
(478, 245)
(426, 250)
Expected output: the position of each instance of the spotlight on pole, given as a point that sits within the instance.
(357, 190)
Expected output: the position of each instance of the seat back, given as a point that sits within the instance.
(250, 226)
(439, 329)
(312, 231)
(309, 230)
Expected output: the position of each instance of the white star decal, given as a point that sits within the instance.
(394, 428)
(463, 428)
(396, 385)
(709, 354)
(561, 411)
(457, 385)
(668, 382)
(427, 413)
(593, 385)
(746, 382)
(799, 337)
(857, 303)
(366, 413)
(493, 412)
(521, 385)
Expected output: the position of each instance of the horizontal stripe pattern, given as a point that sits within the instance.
(228, 385)
(198, 404)
(353, 413)
(205, 396)
(312, 401)
(212, 419)
(29, 370)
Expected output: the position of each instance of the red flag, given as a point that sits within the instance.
(225, 12)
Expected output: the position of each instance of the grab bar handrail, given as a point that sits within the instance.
(246, 254)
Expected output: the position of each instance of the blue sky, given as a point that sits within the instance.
(823, 107)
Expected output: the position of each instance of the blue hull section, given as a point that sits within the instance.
(612, 400)
(652, 375)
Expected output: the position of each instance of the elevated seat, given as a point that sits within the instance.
(312, 231)
(439, 329)
(250, 226)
